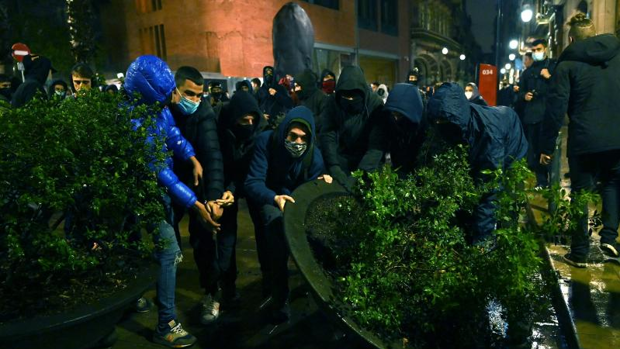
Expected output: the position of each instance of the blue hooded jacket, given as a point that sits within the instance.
(494, 134)
(152, 79)
(273, 171)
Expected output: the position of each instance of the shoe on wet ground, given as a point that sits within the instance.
(210, 310)
(174, 336)
(610, 249)
(575, 261)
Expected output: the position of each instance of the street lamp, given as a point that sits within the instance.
(513, 44)
(512, 56)
(462, 57)
(526, 13)
(508, 66)
(444, 50)
(503, 71)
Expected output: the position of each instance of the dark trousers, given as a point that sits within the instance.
(278, 252)
(584, 171)
(533, 133)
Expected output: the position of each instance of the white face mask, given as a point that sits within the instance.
(468, 94)
(538, 56)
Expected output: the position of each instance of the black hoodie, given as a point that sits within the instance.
(310, 96)
(237, 152)
(277, 104)
(36, 72)
(586, 85)
(356, 141)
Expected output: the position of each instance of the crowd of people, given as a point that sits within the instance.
(272, 136)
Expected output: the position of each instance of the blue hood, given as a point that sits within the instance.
(151, 77)
(299, 114)
(405, 99)
(449, 103)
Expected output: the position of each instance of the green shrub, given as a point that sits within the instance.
(79, 158)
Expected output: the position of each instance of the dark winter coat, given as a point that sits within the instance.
(152, 79)
(36, 72)
(494, 135)
(406, 135)
(274, 105)
(273, 171)
(532, 81)
(200, 130)
(311, 97)
(237, 153)
(358, 139)
(586, 85)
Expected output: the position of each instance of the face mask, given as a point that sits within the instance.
(187, 107)
(216, 95)
(60, 94)
(243, 132)
(295, 149)
(6, 92)
(469, 94)
(538, 56)
(413, 82)
(354, 106)
(329, 86)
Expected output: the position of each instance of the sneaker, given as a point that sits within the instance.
(610, 249)
(174, 337)
(575, 261)
(210, 310)
(143, 305)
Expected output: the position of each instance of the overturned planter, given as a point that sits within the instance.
(320, 284)
(81, 328)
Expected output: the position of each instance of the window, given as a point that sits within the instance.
(389, 17)
(333, 4)
(145, 6)
(153, 41)
(367, 14)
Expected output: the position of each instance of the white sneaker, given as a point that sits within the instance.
(210, 310)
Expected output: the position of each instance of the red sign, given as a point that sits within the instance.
(19, 51)
(487, 83)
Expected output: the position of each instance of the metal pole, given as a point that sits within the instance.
(497, 38)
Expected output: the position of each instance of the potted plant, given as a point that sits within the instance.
(79, 161)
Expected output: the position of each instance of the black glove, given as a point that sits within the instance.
(338, 174)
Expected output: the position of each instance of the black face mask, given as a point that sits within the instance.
(243, 132)
(217, 96)
(414, 82)
(450, 132)
(354, 106)
(6, 92)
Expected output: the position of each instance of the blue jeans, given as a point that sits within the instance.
(168, 255)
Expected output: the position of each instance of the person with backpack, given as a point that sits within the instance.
(283, 160)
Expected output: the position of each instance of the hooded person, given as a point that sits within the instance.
(37, 70)
(413, 77)
(404, 111)
(327, 82)
(57, 90)
(273, 99)
(585, 85)
(243, 85)
(239, 124)
(310, 96)
(150, 82)
(353, 133)
(473, 94)
(382, 92)
(283, 160)
(494, 136)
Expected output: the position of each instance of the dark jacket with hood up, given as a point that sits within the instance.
(277, 104)
(586, 84)
(358, 140)
(152, 79)
(532, 81)
(407, 135)
(273, 171)
(200, 130)
(310, 96)
(36, 72)
(237, 152)
(51, 94)
(494, 135)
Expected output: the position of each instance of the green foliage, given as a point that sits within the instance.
(411, 270)
(81, 158)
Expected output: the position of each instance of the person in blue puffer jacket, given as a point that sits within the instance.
(283, 160)
(149, 81)
(495, 138)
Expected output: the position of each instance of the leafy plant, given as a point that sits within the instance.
(84, 161)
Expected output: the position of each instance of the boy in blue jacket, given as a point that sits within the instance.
(283, 160)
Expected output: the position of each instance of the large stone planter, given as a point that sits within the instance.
(79, 328)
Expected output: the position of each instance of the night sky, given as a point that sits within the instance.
(482, 14)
